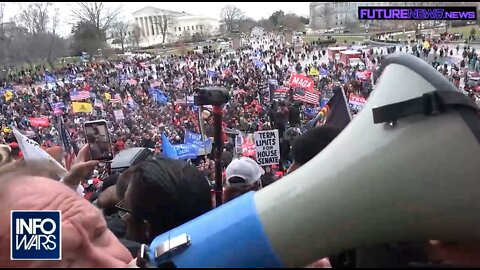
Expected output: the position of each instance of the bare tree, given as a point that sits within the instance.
(50, 57)
(186, 36)
(97, 14)
(165, 23)
(245, 25)
(267, 25)
(135, 36)
(206, 31)
(3, 40)
(292, 22)
(230, 17)
(351, 24)
(120, 30)
(35, 16)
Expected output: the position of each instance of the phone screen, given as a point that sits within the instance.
(99, 140)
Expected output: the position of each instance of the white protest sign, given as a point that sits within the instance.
(267, 145)
(118, 115)
(32, 151)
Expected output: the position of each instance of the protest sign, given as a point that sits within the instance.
(300, 81)
(39, 121)
(118, 115)
(267, 146)
(248, 144)
(355, 102)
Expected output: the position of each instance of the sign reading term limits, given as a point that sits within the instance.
(267, 146)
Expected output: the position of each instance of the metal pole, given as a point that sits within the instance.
(200, 122)
(217, 153)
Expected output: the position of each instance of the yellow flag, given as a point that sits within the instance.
(314, 72)
(8, 95)
(108, 96)
(84, 107)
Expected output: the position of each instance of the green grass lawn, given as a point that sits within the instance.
(464, 29)
(340, 39)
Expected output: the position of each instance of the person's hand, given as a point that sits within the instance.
(323, 263)
(463, 254)
(82, 167)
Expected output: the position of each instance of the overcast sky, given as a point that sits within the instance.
(256, 10)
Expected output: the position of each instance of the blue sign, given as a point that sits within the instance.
(186, 151)
(35, 235)
(211, 73)
(196, 139)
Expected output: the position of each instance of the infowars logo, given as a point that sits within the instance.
(35, 235)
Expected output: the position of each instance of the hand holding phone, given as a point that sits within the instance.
(98, 139)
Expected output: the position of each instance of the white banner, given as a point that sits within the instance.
(267, 146)
(118, 115)
(31, 151)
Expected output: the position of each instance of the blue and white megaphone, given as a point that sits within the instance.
(405, 169)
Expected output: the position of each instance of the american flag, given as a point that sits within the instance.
(79, 95)
(306, 96)
(98, 103)
(68, 145)
(280, 94)
(116, 99)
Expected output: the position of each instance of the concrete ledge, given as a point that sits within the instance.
(383, 43)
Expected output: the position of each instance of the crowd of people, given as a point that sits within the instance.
(142, 98)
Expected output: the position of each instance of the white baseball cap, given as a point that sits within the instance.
(245, 168)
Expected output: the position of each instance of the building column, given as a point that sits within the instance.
(152, 31)
(157, 28)
(144, 26)
(149, 23)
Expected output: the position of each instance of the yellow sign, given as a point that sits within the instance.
(84, 107)
(314, 72)
(426, 45)
(108, 96)
(8, 95)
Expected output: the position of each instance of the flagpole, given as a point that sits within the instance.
(200, 109)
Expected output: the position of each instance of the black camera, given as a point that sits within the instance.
(215, 96)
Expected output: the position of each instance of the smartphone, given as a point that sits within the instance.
(98, 139)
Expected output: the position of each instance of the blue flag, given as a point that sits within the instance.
(195, 139)
(132, 104)
(310, 111)
(49, 78)
(259, 64)
(323, 102)
(158, 95)
(186, 151)
(168, 149)
(323, 72)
